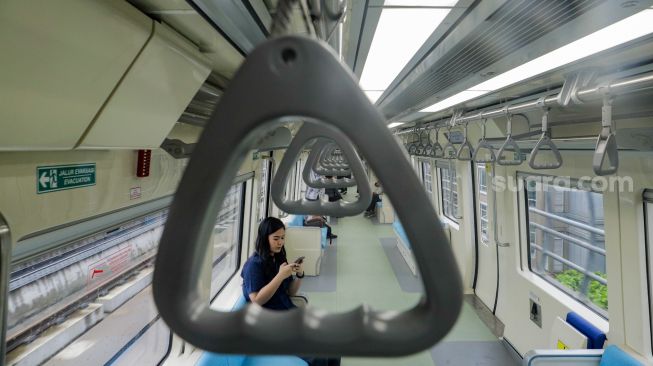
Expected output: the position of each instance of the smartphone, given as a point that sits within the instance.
(299, 260)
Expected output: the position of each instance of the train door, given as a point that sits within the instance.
(486, 280)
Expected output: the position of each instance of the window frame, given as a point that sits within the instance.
(240, 230)
(427, 187)
(453, 189)
(525, 226)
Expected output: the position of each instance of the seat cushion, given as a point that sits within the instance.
(401, 233)
(595, 337)
(274, 361)
(217, 359)
(323, 241)
(614, 356)
(296, 220)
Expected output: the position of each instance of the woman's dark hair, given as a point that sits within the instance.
(268, 226)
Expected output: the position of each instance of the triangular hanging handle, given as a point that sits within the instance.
(319, 168)
(329, 159)
(438, 151)
(509, 144)
(483, 144)
(322, 181)
(545, 141)
(273, 79)
(462, 154)
(303, 206)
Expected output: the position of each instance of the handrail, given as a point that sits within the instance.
(465, 144)
(509, 144)
(303, 206)
(545, 140)
(495, 215)
(606, 142)
(273, 78)
(5, 264)
(483, 144)
(569, 263)
(569, 238)
(322, 182)
(577, 224)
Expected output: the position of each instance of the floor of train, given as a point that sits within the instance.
(364, 265)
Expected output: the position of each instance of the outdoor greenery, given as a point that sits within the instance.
(597, 292)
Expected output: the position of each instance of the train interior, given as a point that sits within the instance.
(484, 168)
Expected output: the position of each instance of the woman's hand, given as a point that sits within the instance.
(298, 268)
(286, 270)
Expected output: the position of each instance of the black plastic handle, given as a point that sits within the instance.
(273, 80)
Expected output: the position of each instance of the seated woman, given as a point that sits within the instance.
(268, 278)
(376, 197)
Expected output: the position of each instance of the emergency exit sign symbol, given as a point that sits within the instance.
(61, 177)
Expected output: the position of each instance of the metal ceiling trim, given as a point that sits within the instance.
(234, 20)
(406, 99)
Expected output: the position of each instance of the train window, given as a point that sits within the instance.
(567, 240)
(449, 191)
(105, 273)
(481, 176)
(226, 239)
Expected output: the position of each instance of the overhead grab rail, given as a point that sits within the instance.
(606, 154)
(545, 141)
(509, 144)
(322, 181)
(273, 78)
(578, 94)
(483, 144)
(303, 206)
(461, 155)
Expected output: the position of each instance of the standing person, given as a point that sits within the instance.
(376, 197)
(268, 278)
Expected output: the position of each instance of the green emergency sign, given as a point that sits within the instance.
(60, 177)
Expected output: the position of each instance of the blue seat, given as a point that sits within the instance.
(296, 220)
(595, 337)
(218, 359)
(611, 356)
(614, 356)
(401, 233)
